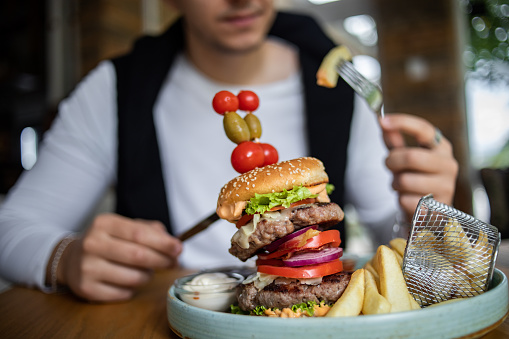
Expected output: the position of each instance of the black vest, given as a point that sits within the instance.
(140, 74)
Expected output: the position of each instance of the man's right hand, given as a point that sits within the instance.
(116, 256)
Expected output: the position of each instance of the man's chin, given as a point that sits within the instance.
(241, 45)
(240, 50)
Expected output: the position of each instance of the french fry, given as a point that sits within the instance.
(483, 252)
(374, 302)
(327, 76)
(480, 269)
(414, 304)
(471, 261)
(351, 301)
(467, 282)
(369, 267)
(477, 264)
(427, 239)
(398, 257)
(482, 242)
(435, 283)
(398, 245)
(392, 283)
(471, 271)
(455, 239)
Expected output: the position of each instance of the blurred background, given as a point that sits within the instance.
(446, 60)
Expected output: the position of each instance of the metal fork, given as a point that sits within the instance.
(365, 88)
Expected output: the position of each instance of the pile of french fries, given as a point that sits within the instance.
(378, 287)
(474, 257)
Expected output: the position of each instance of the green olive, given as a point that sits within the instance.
(254, 125)
(236, 128)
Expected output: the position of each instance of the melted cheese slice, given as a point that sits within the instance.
(241, 237)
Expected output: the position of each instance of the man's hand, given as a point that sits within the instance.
(115, 256)
(418, 171)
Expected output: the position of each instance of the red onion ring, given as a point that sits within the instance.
(313, 258)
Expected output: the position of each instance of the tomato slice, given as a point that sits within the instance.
(244, 220)
(293, 204)
(300, 240)
(312, 271)
(326, 237)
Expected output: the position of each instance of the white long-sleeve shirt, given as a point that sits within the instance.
(78, 156)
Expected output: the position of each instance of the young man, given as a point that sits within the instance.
(144, 123)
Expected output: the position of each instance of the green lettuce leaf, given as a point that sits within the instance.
(305, 307)
(329, 188)
(261, 203)
(259, 310)
(237, 310)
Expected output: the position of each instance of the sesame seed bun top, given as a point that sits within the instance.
(306, 171)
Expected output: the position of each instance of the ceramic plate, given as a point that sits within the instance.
(471, 317)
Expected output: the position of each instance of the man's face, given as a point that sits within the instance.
(231, 26)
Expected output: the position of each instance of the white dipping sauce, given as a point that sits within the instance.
(212, 291)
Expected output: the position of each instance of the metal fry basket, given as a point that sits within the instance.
(449, 254)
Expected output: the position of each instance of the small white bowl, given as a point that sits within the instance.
(213, 297)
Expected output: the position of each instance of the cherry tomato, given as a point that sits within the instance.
(225, 101)
(311, 271)
(248, 101)
(270, 153)
(247, 156)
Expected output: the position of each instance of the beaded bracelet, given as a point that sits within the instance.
(56, 259)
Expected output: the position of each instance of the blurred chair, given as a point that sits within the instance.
(496, 184)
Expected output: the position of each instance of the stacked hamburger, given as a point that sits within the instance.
(283, 212)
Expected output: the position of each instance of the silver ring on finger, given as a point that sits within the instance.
(438, 137)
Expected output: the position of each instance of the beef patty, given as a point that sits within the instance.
(324, 214)
(281, 295)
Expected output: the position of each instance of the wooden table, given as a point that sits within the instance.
(27, 313)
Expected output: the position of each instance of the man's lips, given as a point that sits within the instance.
(241, 20)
